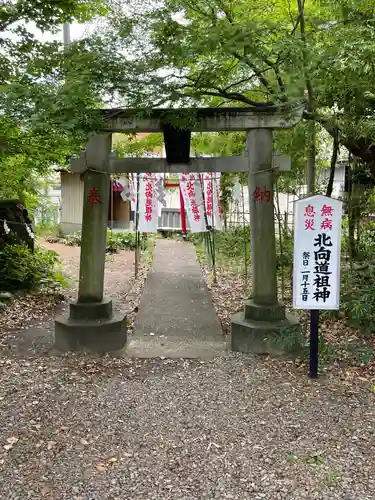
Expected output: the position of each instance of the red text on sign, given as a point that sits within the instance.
(260, 195)
(309, 224)
(309, 211)
(326, 225)
(148, 204)
(94, 197)
(327, 211)
(194, 206)
(209, 199)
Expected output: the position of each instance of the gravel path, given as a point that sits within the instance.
(76, 428)
(238, 427)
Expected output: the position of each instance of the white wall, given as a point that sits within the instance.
(71, 202)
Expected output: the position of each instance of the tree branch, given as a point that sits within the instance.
(301, 7)
(311, 135)
(234, 96)
(8, 18)
(255, 75)
(366, 154)
(246, 60)
(276, 70)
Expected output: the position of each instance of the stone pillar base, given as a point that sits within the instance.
(91, 327)
(266, 330)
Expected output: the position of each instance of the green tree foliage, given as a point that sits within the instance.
(129, 145)
(42, 115)
(252, 53)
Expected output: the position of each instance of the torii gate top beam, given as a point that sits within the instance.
(201, 119)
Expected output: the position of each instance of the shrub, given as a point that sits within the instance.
(366, 244)
(234, 243)
(115, 241)
(128, 240)
(284, 252)
(73, 240)
(20, 269)
(358, 296)
(47, 229)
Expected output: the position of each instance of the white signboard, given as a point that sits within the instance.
(317, 242)
(191, 189)
(148, 204)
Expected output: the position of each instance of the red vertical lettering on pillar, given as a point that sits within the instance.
(94, 197)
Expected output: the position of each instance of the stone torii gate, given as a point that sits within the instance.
(92, 325)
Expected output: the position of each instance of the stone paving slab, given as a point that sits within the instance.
(176, 316)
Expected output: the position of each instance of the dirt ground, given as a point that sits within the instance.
(119, 272)
(26, 326)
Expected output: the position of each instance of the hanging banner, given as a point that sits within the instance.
(148, 204)
(129, 192)
(160, 193)
(317, 243)
(191, 189)
(219, 214)
(133, 193)
(211, 183)
(237, 192)
(125, 193)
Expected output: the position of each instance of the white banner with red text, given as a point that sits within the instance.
(191, 188)
(211, 183)
(148, 204)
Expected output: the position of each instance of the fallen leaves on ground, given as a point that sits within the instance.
(29, 309)
(341, 341)
(228, 293)
(37, 309)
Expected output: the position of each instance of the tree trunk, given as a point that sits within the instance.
(311, 126)
(354, 200)
(311, 154)
(335, 152)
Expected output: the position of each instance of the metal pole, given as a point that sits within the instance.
(206, 237)
(314, 343)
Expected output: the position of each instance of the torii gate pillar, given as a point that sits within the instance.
(260, 326)
(92, 325)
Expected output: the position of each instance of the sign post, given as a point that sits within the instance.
(316, 268)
